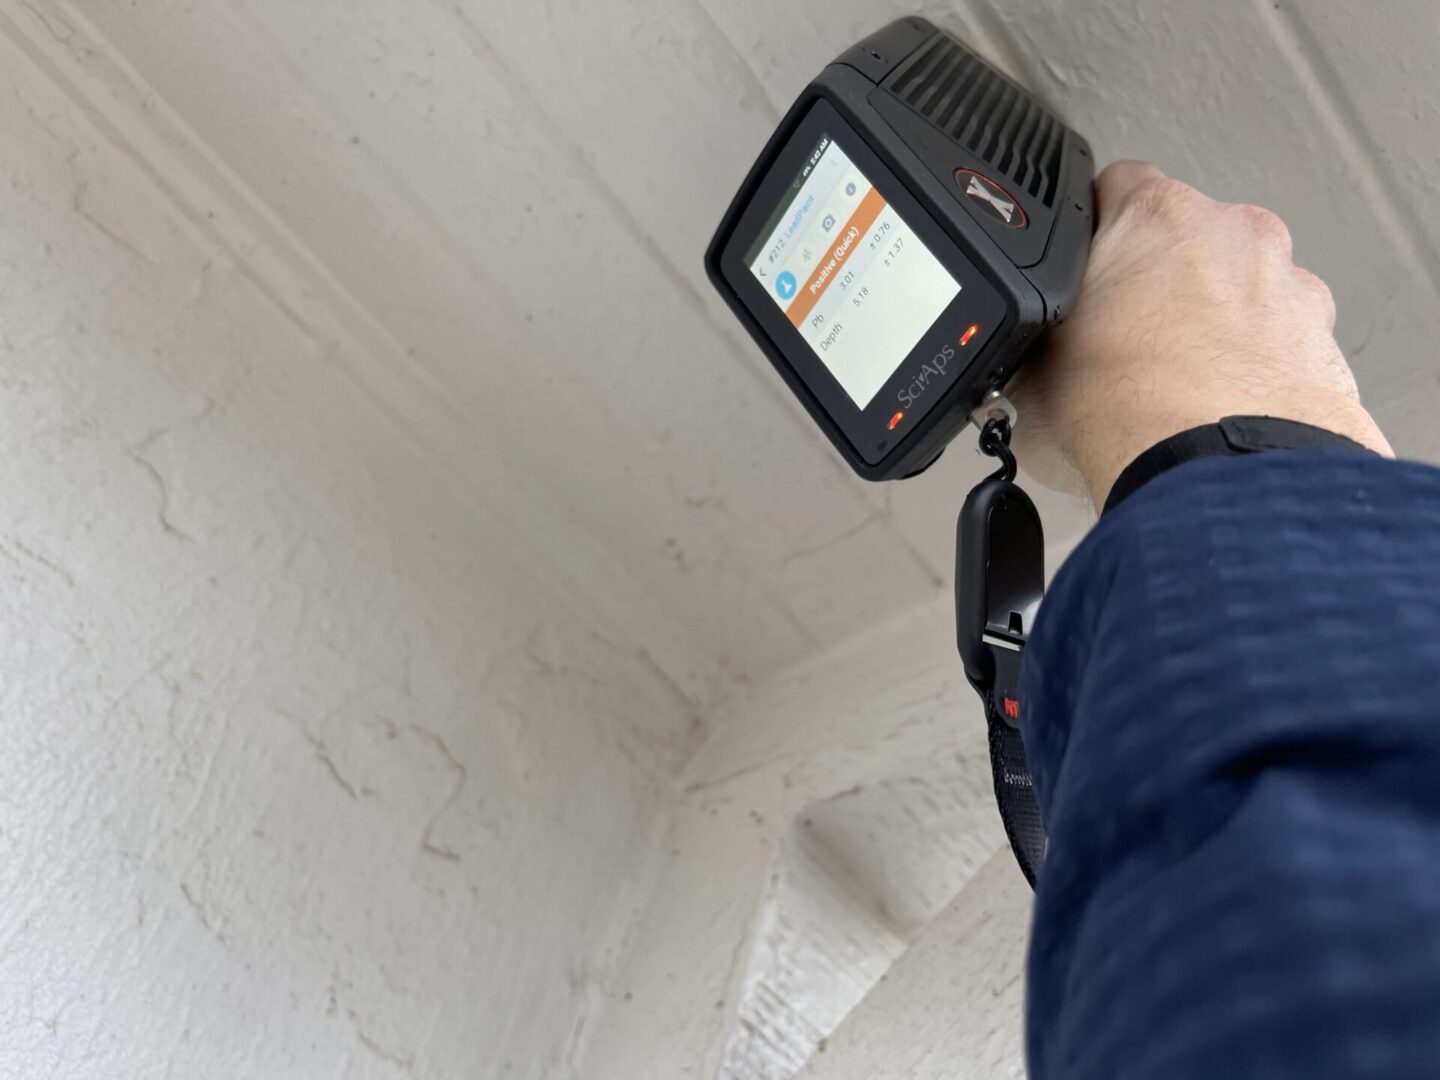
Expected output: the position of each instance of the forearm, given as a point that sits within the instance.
(1233, 723)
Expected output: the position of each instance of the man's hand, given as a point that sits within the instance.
(1192, 310)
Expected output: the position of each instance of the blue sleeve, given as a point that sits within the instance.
(1232, 717)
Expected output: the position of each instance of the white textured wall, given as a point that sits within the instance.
(949, 1008)
(311, 767)
(831, 815)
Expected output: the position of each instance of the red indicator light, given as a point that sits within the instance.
(895, 420)
(969, 333)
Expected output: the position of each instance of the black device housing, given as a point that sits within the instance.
(929, 115)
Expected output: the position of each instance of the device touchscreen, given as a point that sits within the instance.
(851, 276)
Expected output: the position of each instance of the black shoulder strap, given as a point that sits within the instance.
(999, 582)
(1013, 789)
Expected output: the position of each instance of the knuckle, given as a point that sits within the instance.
(1314, 286)
(1265, 224)
(1313, 282)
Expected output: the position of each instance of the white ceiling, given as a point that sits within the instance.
(508, 202)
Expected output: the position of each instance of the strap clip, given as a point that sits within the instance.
(1000, 568)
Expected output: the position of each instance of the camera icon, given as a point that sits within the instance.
(828, 223)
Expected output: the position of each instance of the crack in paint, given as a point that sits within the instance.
(137, 455)
(40, 559)
(428, 844)
(404, 1061)
(78, 206)
(325, 759)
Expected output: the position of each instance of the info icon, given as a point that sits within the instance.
(785, 284)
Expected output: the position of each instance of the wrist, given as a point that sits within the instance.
(1233, 436)
(1105, 445)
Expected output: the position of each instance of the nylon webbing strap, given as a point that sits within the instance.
(999, 583)
(1014, 791)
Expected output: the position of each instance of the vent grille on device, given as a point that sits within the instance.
(985, 112)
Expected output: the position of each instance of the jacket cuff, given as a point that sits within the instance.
(1231, 436)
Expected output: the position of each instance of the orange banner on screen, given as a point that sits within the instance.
(846, 242)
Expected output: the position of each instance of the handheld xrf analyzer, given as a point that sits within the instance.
(905, 238)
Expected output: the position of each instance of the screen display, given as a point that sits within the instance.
(850, 275)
